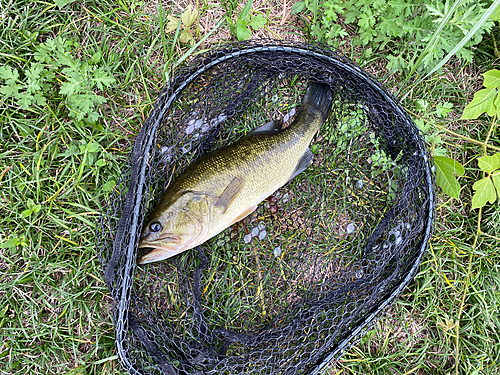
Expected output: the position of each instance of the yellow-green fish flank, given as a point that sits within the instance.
(226, 185)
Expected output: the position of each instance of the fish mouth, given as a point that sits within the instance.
(167, 250)
(160, 253)
(168, 245)
(165, 247)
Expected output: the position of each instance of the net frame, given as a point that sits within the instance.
(117, 238)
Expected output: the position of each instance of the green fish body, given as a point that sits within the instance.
(226, 185)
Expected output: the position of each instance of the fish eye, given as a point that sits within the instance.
(155, 226)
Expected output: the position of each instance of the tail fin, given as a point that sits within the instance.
(319, 96)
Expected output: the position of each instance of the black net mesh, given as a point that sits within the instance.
(287, 289)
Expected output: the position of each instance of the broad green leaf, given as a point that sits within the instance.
(108, 186)
(93, 147)
(172, 24)
(185, 37)
(496, 14)
(96, 57)
(244, 12)
(90, 159)
(442, 109)
(100, 163)
(30, 203)
(491, 78)
(189, 16)
(298, 7)
(489, 163)
(102, 78)
(8, 74)
(454, 166)
(497, 104)
(9, 90)
(484, 101)
(258, 21)
(63, 3)
(11, 242)
(496, 181)
(242, 31)
(485, 192)
(445, 179)
(26, 213)
(83, 147)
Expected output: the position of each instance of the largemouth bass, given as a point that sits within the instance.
(225, 186)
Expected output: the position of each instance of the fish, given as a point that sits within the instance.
(226, 185)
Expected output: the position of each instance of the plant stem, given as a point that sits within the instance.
(466, 288)
(198, 21)
(259, 294)
(464, 137)
(495, 52)
(489, 235)
(162, 33)
(469, 268)
(272, 32)
(492, 126)
(458, 135)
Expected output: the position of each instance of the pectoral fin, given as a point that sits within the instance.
(230, 193)
(303, 163)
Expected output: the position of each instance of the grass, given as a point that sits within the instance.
(54, 305)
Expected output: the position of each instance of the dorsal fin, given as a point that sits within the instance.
(271, 126)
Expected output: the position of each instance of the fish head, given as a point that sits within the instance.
(180, 225)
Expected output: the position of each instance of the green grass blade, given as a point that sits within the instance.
(245, 11)
(162, 30)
